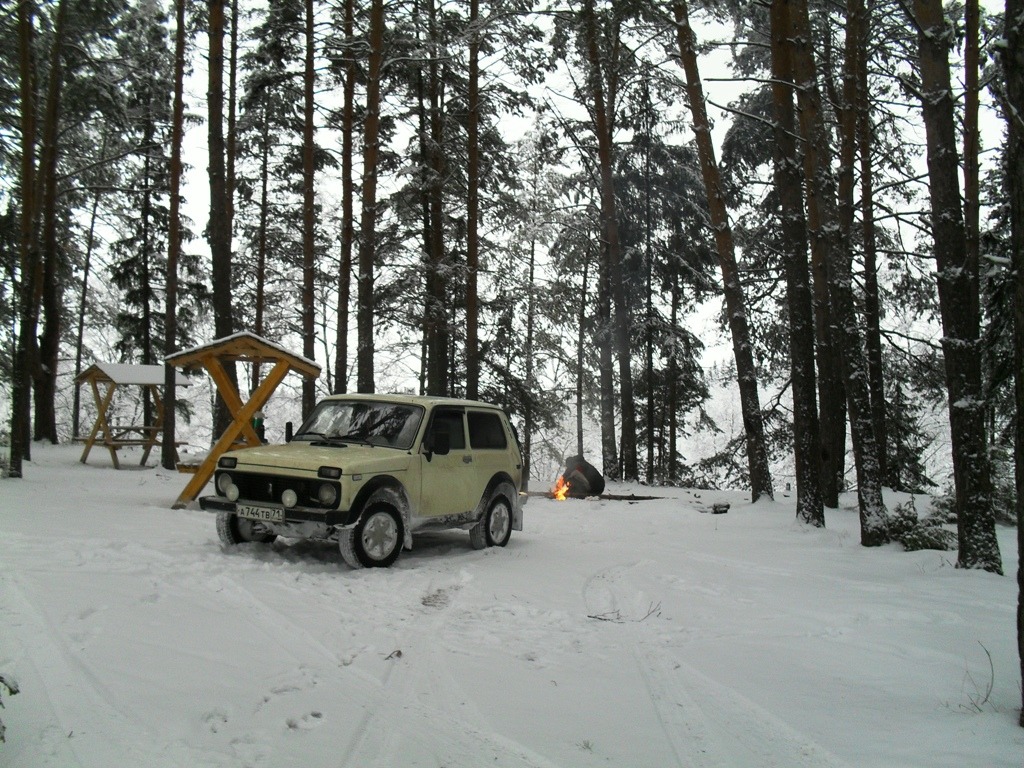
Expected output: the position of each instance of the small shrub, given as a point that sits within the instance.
(944, 505)
(929, 537)
(915, 533)
(12, 688)
(902, 520)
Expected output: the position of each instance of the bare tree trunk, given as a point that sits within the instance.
(49, 290)
(580, 362)
(1012, 55)
(83, 300)
(168, 452)
(673, 388)
(367, 244)
(649, 302)
(347, 210)
(308, 213)
(958, 298)
(750, 402)
(822, 192)
(828, 349)
(146, 217)
(972, 142)
(436, 320)
(473, 206)
(261, 237)
(606, 366)
(231, 150)
(25, 353)
(788, 185)
(872, 304)
(219, 226)
(613, 252)
(531, 297)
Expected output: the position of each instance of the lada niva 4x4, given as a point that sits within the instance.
(369, 471)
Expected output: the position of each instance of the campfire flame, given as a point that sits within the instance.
(561, 489)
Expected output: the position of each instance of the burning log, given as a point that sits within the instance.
(579, 480)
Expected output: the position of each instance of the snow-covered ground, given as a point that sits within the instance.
(607, 633)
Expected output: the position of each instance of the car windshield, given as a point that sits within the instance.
(362, 421)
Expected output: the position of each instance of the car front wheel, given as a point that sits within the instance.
(376, 540)
(234, 530)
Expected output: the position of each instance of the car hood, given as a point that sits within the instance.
(303, 456)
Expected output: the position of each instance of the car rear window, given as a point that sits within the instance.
(485, 430)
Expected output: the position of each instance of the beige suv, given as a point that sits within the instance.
(368, 471)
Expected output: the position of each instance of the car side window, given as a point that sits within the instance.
(485, 430)
(449, 422)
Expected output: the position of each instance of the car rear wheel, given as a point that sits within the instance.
(234, 530)
(376, 540)
(495, 527)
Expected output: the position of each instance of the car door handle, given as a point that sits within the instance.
(467, 459)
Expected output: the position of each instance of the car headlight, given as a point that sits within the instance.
(327, 495)
(224, 482)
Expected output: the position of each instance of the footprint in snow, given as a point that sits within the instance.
(306, 722)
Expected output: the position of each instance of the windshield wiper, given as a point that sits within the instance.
(323, 439)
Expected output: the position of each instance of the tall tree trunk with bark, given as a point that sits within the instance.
(850, 102)
(473, 206)
(26, 353)
(788, 185)
(436, 320)
(958, 298)
(1013, 108)
(860, 15)
(673, 387)
(367, 244)
(606, 368)
(231, 145)
(308, 211)
(83, 300)
(821, 192)
(347, 209)
(49, 290)
(218, 231)
(168, 453)
(613, 251)
(261, 234)
(746, 370)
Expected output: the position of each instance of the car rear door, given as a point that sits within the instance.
(494, 450)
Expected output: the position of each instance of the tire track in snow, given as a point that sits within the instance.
(710, 724)
(414, 706)
(406, 701)
(86, 712)
(706, 723)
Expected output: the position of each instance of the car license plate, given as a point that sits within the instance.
(263, 514)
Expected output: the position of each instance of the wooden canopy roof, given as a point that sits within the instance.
(243, 347)
(125, 373)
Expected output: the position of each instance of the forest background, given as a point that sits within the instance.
(529, 203)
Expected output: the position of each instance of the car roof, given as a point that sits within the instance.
(427, 401)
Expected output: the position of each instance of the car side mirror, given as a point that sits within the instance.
(439, 444)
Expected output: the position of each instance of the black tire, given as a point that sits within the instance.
(234, 530)
(376, 540)
(495, 527)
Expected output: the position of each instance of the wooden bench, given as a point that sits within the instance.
(113, 435)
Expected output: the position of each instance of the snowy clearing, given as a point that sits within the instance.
(607, 633)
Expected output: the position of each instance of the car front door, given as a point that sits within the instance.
(449, 485)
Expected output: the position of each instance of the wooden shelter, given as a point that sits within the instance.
(104, 379)
(239, 348)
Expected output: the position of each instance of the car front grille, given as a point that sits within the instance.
(267, 489)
